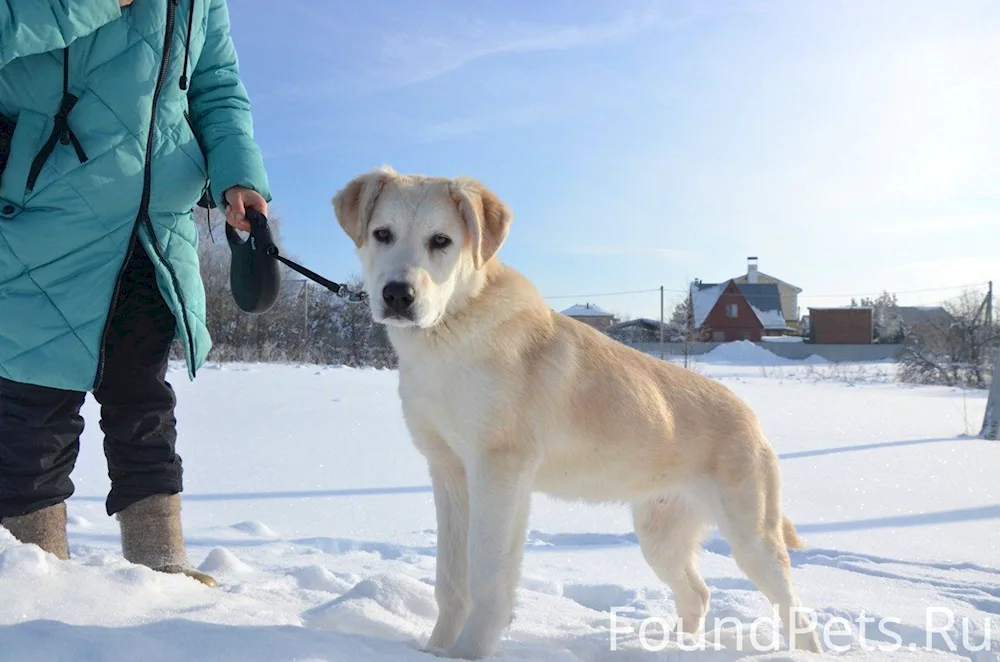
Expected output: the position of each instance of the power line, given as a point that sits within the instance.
(607, 294)
(803, 295)
(875, 294)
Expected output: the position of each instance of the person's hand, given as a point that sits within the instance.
(124, 3)
(239, 199)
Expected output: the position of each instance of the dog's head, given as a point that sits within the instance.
(423, 241)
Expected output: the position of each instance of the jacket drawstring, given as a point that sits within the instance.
(61, 131)
(187, 48)
(206, 201)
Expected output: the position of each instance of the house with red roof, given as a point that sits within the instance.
(730, 311)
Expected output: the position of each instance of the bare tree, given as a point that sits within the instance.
(682, 319)
(955, 352)
(365, 342)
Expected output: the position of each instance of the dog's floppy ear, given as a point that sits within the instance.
(486, 216)
(355, 203)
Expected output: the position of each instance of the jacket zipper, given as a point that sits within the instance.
(143, 216)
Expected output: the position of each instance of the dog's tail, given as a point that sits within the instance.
(791, 536)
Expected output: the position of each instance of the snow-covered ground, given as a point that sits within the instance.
(306, 499)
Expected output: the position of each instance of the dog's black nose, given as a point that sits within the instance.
(398, 296)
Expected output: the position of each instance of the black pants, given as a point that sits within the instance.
(40, 427)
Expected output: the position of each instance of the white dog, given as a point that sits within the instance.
(505, 397)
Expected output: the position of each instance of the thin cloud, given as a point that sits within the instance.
(610, 250)
(416, 59)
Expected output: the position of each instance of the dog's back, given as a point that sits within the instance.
(606, 421)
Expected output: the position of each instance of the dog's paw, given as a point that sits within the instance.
(451, 653)
(439, 644)
(465, 651)
(441, 638)
(436, 651)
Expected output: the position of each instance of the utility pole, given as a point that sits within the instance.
(991, 420)
(305, 326)
(989, 309)
(661, 322)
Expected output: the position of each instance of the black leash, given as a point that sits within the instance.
(342, 291)
(254, 275)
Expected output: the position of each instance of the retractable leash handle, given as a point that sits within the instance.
(254, 274)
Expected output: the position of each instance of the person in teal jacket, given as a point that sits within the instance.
(116, 118)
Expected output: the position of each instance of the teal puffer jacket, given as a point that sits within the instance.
(159, 112)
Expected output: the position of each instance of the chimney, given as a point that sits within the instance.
(752, 270)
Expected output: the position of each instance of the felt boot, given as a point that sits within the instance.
(45, 528)
(152, 536)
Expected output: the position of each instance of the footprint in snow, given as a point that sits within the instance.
(318, 578)
(220, 561)
(100, 559)
(392, 606)
(255, 528)
(600, 597)
(541, 585)
(730, 584)
(78, 522)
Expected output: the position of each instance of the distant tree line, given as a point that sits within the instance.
(308, 324)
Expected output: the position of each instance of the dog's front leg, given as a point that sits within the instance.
(500, 485)
(451, 588)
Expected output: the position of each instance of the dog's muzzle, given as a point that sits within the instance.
(399, 297)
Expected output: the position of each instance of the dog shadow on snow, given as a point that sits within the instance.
(179, 640)
(879, 445)
(539, 541)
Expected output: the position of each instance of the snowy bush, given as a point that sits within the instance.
(886, 319)
(958, 352)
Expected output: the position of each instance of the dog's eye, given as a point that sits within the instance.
(440, 242)
(382, 236)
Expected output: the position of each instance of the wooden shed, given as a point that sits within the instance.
(841, 326)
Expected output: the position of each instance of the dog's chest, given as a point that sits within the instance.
(456, 404)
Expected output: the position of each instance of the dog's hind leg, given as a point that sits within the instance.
(670, 535)
(751, 520)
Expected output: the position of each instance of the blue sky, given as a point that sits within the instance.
(851, 145)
